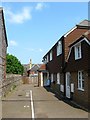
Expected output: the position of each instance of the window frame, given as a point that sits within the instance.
(58, 78)
(50, 55)
(59, 48)
(80, 80)
(78, 51)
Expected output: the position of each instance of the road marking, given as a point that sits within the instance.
(27, 94)
(32, 106)
(26, 106)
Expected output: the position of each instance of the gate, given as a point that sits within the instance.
(33, 80)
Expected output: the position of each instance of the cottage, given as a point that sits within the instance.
(3, 47)
(78, 70)
(56, 58)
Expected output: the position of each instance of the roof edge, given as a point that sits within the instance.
(1, 9)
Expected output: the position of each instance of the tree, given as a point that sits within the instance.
(13, 65)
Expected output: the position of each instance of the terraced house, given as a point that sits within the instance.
(63, 70)
(3, 47)
(78, 70)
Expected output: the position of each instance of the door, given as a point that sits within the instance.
(68, 84)
(45, 77)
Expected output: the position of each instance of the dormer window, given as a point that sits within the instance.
(59, 48)
(78, 51)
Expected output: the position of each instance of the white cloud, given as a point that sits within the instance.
(40, 50)
(19, 17)
(39, 6)
(29, 49)
(34, 50)
(12, 43)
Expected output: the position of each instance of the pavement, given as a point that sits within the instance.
(29, 101)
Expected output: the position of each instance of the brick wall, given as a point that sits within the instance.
(80, 97)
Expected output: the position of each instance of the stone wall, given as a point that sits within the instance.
(3, 49)
(10, 83)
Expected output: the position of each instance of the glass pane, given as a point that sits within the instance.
(79, 82)
(82, 75)
(78, 51)
(79, 75)
(82, 84)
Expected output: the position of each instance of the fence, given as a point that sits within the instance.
(33, 80)
(30, 80)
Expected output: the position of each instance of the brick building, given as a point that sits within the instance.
(78, 70)
(56, 61)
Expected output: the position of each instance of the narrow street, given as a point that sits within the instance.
(30, 101)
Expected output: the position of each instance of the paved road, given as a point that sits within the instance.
(28, 101)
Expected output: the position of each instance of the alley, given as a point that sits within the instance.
(29, 101)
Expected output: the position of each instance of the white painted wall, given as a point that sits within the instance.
(41, 79)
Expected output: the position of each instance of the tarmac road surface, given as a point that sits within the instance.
(28, 101)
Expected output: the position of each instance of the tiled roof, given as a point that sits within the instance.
(42, 67)
(84, 23)
(86, 34)
(35, 67)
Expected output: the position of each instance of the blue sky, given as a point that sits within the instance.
(33, 28)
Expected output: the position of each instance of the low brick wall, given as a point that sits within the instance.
(12, 80)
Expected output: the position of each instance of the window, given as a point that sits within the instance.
(50, 55)
(80, 80)
(51, 77)
(58, 78)
(59, 48)
(44, 60)
(78, 51)
(47, 58)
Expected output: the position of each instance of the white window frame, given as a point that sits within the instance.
(50, 55)
(59, 48)
(77, 49)
(58, 78)
(80, 80)
(52, 77)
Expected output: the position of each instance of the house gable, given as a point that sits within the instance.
(84, 39)
(79, 64)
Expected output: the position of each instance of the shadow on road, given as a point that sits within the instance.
(64, 99)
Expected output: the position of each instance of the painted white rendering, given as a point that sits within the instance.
(41, 79)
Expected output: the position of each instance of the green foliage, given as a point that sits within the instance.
(13, 65)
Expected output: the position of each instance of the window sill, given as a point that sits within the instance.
(59, 54)
(50, 60)
(58, 83)
(78, 58)
(81, 89)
